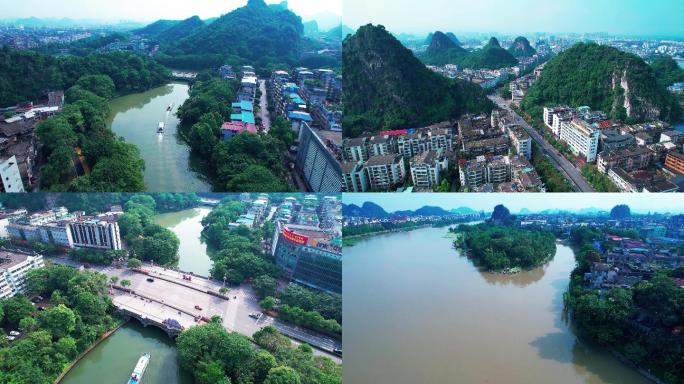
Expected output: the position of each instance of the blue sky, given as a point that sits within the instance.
(647, 17)
(666, 202)
(146, 10)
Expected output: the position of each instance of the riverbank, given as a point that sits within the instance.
(169, 165)
(85, 353)
(496, 328)
(349, 241)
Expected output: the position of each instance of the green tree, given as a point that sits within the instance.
(28, 324)
(60, 321)
(267, 303)
(282, 375)
(264, 285)
(101, 85)
(16, 308)
(261, 365)
(134, 263)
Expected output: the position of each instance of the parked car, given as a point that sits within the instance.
(11, 338)
(197, 307)
(14, 333)
(254, 315)
(150, 280)
(338, 351)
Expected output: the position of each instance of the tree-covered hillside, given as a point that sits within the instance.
(442, 50)
(491, 56)
(26, 75)
(667, 71)
(605, 78)
(521, 48)
(255, 34)
(178, 30)
(386, 87)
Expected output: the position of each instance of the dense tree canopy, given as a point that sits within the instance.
(498, 248)
(247, 162)
(594, 75)
(26, 75)
(75, 316)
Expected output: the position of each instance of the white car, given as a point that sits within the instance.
(11, 338)
(14, 333)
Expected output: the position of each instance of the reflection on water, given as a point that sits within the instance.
(417, 312)
(187, 225)
(167, 159)
(113, 360)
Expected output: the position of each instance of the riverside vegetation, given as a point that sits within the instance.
(247, 162)
(610, 318)
(238, 257)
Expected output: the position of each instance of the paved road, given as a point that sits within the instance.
(263, 107)
(169, 296)
(568, 170)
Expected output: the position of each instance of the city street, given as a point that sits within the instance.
(263, 107)
(568, 170)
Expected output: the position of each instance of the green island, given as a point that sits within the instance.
(640, 323)
(504, 248)
(498, 245)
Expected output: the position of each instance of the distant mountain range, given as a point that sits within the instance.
(444, 48)
(65, 22)
(372, 210)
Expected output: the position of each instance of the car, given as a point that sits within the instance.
(338, 351)
(254, 315)
(14, 333)
(197, 307)
(11, 338)
(150, 280)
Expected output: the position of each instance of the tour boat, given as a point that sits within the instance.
(139, 370)
(161, 127)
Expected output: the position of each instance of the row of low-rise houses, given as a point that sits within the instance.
(242, 119)
(64, 229)
(309, 100)
(643, 157)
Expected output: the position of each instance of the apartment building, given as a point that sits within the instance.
(427, 168)
(355, 178)
(582, 138)
(14, 266)
(385, 172)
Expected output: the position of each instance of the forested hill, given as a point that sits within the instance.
(25, 75)
(171, 32)
(442, 50)
(156, 28)
(605, 78)
(255, 34)
(521, 48)
(491, 56)
(386, 87)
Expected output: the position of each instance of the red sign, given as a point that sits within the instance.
(294, 238)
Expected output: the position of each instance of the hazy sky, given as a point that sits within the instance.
(520, 16)
(665, 202)
(147, 9)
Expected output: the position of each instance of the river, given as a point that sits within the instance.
(187, 225)
(115, 357)
(113, 360)
(167, 158)
(417, 312)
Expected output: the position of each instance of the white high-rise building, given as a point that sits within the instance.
(96, 232)
(13, 269)
(582, 138)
